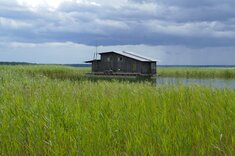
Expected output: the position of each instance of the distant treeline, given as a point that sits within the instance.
(78, 65)
(196, 65)
(89, 65)
(26, 63)
(16, 63)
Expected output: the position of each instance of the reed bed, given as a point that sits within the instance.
(43, 115)
(197, 72)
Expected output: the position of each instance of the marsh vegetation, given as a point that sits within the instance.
(197, 72)
(54, 110)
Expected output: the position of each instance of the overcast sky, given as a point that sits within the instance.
(187, 32)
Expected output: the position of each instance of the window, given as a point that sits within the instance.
(109, 58)
(120, 59)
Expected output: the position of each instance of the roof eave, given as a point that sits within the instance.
(149, 61)
(106, 52)
(90, 61)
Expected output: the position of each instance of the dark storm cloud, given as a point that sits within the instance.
(203, 10)
(188, 3)
(170, 22)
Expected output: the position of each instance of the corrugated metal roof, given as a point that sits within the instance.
(133, 56)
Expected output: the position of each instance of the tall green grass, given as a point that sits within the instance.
(43, 115)
(197, 72)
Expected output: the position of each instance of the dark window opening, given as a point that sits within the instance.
(120, 59)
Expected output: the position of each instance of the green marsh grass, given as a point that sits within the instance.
(197, 72)
(44, 115)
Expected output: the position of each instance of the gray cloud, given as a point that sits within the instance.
(188, 3)
(200, 23)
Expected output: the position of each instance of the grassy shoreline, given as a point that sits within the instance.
(67, 72)
(44, 112)
(197, 72)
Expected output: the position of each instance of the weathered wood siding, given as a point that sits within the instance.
(120, 63)
(96, 66)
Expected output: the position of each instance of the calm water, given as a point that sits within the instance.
(218, 83)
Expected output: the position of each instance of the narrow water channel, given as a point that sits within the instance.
(218, 83)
